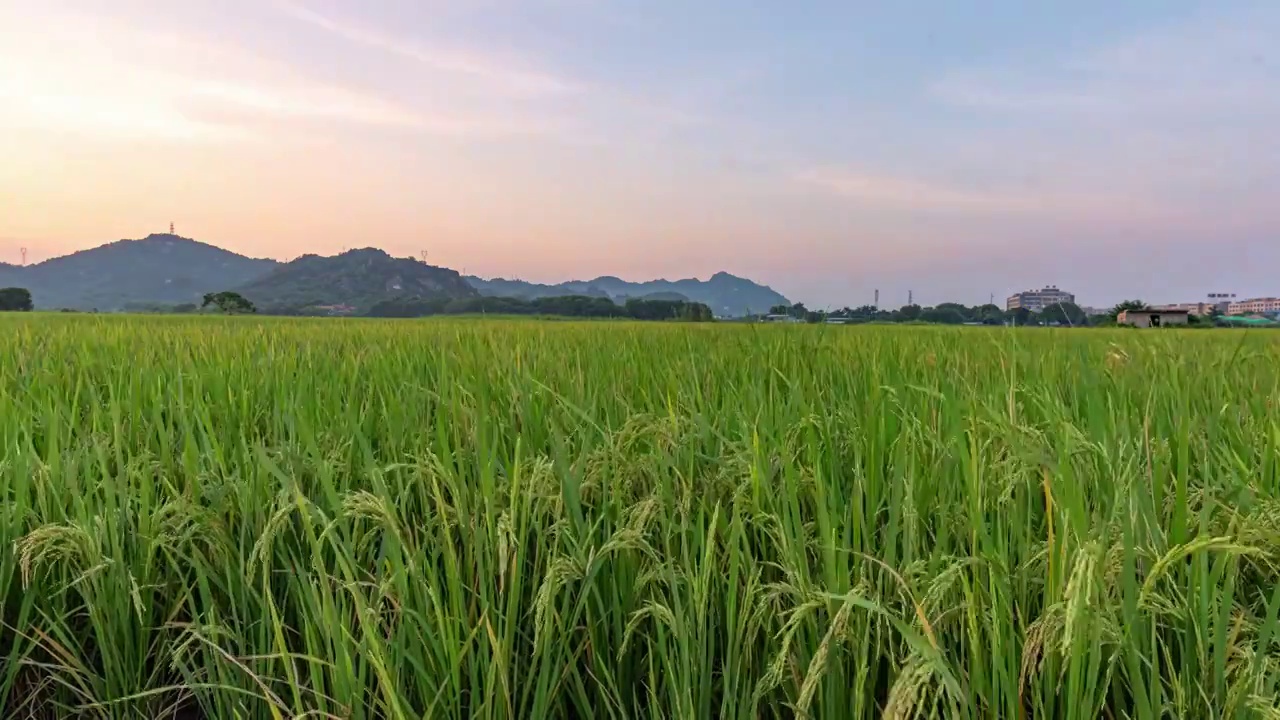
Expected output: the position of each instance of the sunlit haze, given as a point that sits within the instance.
(826, 148)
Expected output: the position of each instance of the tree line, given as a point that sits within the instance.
(563, 306)
(583, 306)
(19, 299)
(1060, 314)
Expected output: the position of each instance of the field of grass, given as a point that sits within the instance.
(273, 518)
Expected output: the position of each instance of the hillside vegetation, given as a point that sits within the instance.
(577, 306)
(244, 517)
(725, 294)
(357, 278)
(158, 269)
(162, 272)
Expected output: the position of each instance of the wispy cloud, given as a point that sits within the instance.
(1217, 65)
(1145, 128)
(303, 101)
(93, 74)
(499, 73)
(524, 92)
(899, 193)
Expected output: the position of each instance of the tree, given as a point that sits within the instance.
(667, 310)
(15, 299)
(1114, 314)
(229, 302)
(1064, 314)
(1021, 316)
(910, 312)
(947, 309)
(943, 315)
(990, 315)
(780, 310)
(696, 312)
(407, 307)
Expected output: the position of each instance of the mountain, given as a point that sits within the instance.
(501, 287)
(357, 279)
(170, 270)
(164, 269)
(665, 296)
(726, 295)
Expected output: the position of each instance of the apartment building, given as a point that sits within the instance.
(1037, 300)
(1254, 305)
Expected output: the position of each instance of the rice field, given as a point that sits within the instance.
(281, 518)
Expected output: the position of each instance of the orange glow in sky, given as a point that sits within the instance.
(559, 139)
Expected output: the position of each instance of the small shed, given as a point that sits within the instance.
(1153, 318)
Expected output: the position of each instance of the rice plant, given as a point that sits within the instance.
(281, 518)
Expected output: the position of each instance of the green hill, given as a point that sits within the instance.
(351, 283)
(160, 269)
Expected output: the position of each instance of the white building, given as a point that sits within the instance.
(1254, 305)
(1038, 300)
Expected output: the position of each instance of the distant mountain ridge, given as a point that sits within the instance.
(725, 294)
(165, 269)
(159, 268)
(356, 279)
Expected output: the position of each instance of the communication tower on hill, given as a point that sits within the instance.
(170, 227)
(24, 255)
(423, 254)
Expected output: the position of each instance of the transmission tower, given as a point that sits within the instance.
(24, 255)
(170, 227)
(423, 254)
(877, 305)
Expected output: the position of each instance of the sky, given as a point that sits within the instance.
(956, 149)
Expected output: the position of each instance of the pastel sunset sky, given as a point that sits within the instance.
(956, 148)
